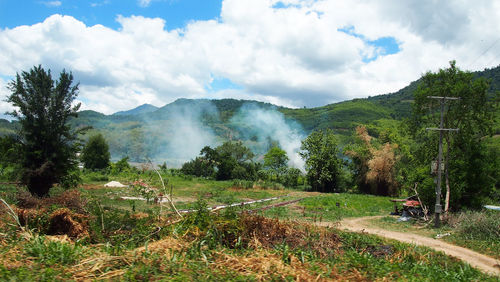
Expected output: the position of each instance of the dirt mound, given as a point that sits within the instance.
(268, 233)
(115, 184)
(60, 222)
(65, 222)
(70, 199)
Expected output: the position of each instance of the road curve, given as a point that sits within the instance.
(477, 260)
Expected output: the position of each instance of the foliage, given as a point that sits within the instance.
(477, 230)
(121, 166)
(474, 225)
(374, 166)
(467, 166)
(142, 244)
(199, 167)
(52, 252)
(43, 107)
(231, 160)
(291, 177)
(95, 154)
(276, 161)
(9, 156)
(323, 166)
(130, 135)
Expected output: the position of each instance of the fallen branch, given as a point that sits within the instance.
(165, 194)
(11, 213)
(424, 208)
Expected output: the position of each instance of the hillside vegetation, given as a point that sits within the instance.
(146, 130)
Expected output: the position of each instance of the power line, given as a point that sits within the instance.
(484, 52)
(494, 58)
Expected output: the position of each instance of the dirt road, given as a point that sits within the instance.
(477, 260)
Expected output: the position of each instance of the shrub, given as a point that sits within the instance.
(473, 225)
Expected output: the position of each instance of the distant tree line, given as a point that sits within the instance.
(385, 157)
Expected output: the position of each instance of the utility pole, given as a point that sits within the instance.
(438, 208)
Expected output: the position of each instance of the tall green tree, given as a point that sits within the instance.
(467, 173)
(43, 107)
(323, 166)
(276, 161)
(95, 154)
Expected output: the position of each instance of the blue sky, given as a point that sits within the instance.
(292, 53)
(176, 12)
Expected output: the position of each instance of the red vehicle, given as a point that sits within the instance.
(411, 207)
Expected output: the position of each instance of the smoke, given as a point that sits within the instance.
(177, 132)
(182, 131)
(268, 126)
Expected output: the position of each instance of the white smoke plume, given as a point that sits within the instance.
(267, 125)
(182, 132)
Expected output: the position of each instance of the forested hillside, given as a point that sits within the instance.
(148, 130)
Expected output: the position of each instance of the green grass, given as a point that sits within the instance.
(206, 247)
(216, 247)
(350, 205)
(52, 252)
(477, 230)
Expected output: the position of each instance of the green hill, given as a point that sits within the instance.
(151, 131)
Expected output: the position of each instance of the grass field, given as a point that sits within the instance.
(92, 234)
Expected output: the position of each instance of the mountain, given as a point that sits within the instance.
(142, 109)
(169, 131)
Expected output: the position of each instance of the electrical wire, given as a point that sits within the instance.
(484, 52)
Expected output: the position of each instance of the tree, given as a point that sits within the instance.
(319, 150)
(231, 160)
(374, 166)
(9, 154)
(466, 167)
(276, 160)
(43, 107)
(95, 154)
(199, 167)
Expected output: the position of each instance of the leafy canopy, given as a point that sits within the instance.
(95, 154)
(276, 160)
(468, 165)
(320, 152)
(43, 107)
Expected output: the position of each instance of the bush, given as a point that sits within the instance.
(199, 167)
(473, 225)
(120, 166)
(291, 177)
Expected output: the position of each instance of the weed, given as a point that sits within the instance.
(52, 252)
(478, 230)
(477, 225)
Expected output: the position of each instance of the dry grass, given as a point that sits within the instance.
(272, 232)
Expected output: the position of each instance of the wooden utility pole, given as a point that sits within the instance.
(438, 208)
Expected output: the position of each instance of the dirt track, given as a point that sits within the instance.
(482, 262)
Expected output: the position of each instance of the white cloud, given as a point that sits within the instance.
(292, 56)
(52, 3)
(143, 3)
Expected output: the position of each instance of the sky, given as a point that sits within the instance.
(293, 53)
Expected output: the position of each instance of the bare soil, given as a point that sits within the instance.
(480, 261)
